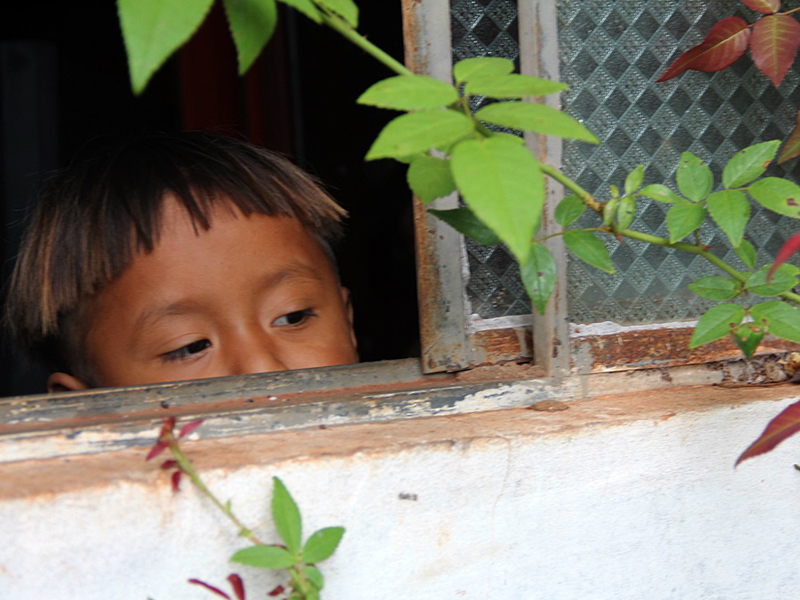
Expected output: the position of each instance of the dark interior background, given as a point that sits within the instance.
(64, 80)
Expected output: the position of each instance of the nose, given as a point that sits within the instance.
(253, 352)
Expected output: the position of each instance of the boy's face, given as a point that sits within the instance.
(250, 295)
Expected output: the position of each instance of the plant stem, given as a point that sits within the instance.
(587, 198)
(339, 25)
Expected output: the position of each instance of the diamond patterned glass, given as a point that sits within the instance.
(611, 54)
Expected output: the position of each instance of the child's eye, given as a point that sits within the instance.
(295, 318)
(187, 351)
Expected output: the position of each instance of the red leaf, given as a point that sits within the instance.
(236, 583)
(176, 481)
(157, 449)
(168, 464)
(277, 591)
(774, 45)
(791, 246)
(724, 44)
(780, 428)
(189, 428)
(767, 7)
(791, 149)
(210, 588)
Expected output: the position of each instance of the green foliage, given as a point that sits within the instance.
(589, 249)
(747, 254)
(418, 132)
(511, 86)
(694, 178)
(286, 516)
(465, 222)
(472, 68)
(430, 178)
(731, 211)
(719, 321)
(346, 9)
(662, 193)
(683, 219)
(626, 212)
(778, 195)
(252, 24)
(569, 210)
(748, 336)
(715, 287)
(306, 7)
(539, 276)
(538, 118)
(781, 319)
(634, 180)
(783, 280)
(322, 544)
(409, 92)
(265, 557)
(749, 163)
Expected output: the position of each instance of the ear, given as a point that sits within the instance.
(62, 382)
(348, 307)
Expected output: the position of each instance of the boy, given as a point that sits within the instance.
(180, 256)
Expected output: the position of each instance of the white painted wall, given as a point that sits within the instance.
(612, 499)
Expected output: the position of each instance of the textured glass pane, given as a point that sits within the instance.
(489, 28)
(611, 54)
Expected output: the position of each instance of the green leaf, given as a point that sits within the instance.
(589, 249)
(683, 219)
(749, 163)
(252, 23)
(502, 183)
(465, 222)
(430, 178)
(315, 577)
(626, 212)
(511, 86)
(569, 210)
(778, 195)
(539, 276)
(346, 9)
(783, 279)
(782, 320)
(322, 544)
(718, 322)
(731, 210)
(153, 29)
(419, 132)
(609, 211)
(748, 336)
(662, 193)
(694, 178)
(535, 117)
(409, 92)
(286, 516)
(264, 557)
(509, 136)
(483, 66)
(307, 8)
(634, 180)
(747, 254)
(715, 287)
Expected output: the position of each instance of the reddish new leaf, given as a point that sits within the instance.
(210, 588)
(791, 149)
(277, 591)
(189, 428)
(237, 584)
(157, 449)
(169, 464)
(176, 481)
(774, 45)
(724, 44)
(780, 428)
(791, 246)
(767, 7)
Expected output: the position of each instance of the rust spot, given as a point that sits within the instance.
(791, 202)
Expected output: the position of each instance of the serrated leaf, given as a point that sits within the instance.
(791, 246)
(634, 180)
(773, 45)
(724, 45)
(264, 557)
(315, 577)
(409, 92)
(465, 222)
(286, 516)
(153, 29)
(252, 23)
(718, 322)
(528, 116)
(766, 7)
(749, 163)
(430, 178)
(346, 9)
(748, 336)
(418, 132)
(781, 319)
(715, 287)
(731, 211)
(322, 544)
(747, 254)
(511, 86)
(501, 182)
(306, 7)
(482, 66)
(539, 276)
(783, 279)
(662, 193)
(791, 148)
(626, 212)
(589, 249)
(693, 177)
(569, 210)
(781, 428)
(778, 195)
(683, 219)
